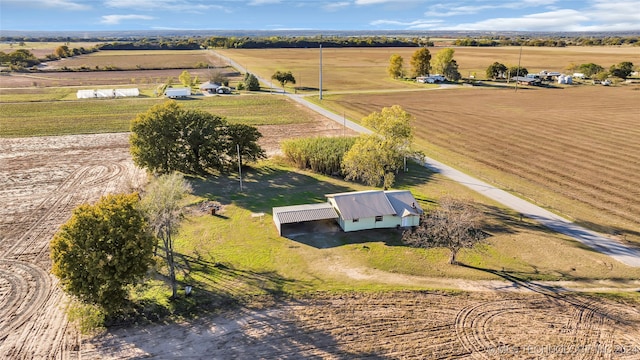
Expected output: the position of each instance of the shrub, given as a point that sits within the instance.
(319, 154)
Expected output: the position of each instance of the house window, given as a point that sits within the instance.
(378, 218)
(355, 220)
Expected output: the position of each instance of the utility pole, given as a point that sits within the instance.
(320, 97)
(518, 71)
(239, 165)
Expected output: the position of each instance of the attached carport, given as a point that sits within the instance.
(302, 213)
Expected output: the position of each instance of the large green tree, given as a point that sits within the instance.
(23, 58)
(496, 71)
(421, 62)
(590, 69)
(375, 158)
(517, 71)
(243, 138)
(102, 250)
(251, 82)
(283, 77)
(168, 138)
(163, 207)
(455, 224)
(621, 70)
(396, 66)
(442, 61)
(187, 80)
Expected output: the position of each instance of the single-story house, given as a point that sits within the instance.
(375, 209)
(524, 80)
(431, 79)
(357, 210)
(209, 87)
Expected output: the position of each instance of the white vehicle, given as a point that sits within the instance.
(173, 93)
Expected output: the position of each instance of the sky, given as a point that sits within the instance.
(370, 15)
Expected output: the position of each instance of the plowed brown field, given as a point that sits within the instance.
(405, 325)
(574, 150)
(43, 179)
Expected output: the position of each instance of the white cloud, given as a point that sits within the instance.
(601, 15)
(58, 4)
(167, 5)
(444, 10)
(560, 20)
(117, 19)
(417, 24)
(615, 13)
(333, 6)
(371, 2)
(263, 2)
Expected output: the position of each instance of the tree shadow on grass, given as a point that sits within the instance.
(265, 187)
(620, 233)
(521, 280)
(214, 288)
(337, 238)
(415, 175)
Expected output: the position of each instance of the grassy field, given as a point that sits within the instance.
(365, 69)
(114, 115)
(572, 150)
(41, 49)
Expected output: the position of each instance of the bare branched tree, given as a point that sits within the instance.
(455, 224)
(162, 206)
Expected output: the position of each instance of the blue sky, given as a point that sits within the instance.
(485, 15)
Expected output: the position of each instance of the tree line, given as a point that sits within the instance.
(548, 41)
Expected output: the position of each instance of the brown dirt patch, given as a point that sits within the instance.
(420, 325)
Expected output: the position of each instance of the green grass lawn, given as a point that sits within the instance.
(89, 116)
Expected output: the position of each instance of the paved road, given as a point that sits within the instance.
(596, 241)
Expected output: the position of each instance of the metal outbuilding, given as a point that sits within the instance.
(302, 213)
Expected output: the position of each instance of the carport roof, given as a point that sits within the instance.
(306, 212)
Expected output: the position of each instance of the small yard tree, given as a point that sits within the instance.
(251, 82)
(455, 224)
(283, 77)
(374, 159)
(187, 80)
(442, 60)
(421, 62)
(496, 71)
(162, 206)
(517, 71)
(621, 70)
(396, 66)
(590, 69)
(101, 250)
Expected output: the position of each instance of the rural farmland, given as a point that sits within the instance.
(570, 149)
(259, 295)
(576, 155)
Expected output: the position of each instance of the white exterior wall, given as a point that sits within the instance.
(388, 222)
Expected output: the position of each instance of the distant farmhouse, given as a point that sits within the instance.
(353, 211)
